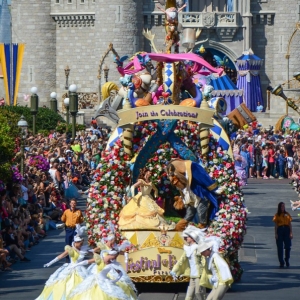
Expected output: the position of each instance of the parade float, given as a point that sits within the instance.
(160, 115)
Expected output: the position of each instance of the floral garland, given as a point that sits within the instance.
(39, 162)
(16, 175)
(106, 197)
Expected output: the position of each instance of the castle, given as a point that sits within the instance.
(77, 33)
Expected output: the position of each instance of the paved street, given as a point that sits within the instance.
(262, 278)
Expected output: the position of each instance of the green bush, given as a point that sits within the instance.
(7, 147)
(44, 132)
(46, 119)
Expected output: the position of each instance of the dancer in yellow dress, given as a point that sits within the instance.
(109, 283)
(142, 212)
(69, 275)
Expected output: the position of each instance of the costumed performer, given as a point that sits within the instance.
(107, 243)
(109, 283)
(216, 273)
(142, 212)
(64, 279)
(191, 264)
(197, 191)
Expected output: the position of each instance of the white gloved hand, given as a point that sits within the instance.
(214, 280)
(82, 263)
(51, 262)
(173, 274)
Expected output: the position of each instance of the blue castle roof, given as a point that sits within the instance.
(5, 19)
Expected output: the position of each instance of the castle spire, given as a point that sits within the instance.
(5, 19)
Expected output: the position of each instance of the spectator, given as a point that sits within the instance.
(289, 153)
(259, 107)
(71, 217)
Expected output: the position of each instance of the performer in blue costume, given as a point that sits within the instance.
(197, 191)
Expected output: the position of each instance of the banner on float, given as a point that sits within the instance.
(154, 256)
(163, 112)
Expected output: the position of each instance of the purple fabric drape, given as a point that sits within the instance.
(233, 102)
(252, 87)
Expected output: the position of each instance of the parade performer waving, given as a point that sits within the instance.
(109, 283)
(191, 264)
(63, 280)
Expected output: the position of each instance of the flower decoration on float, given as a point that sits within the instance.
(113, 176)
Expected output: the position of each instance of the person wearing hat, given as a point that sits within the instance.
(191, 264)
(216, 273)
(197, 189)
(63, 280)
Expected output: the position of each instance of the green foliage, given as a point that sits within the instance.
(46, 119)
(62, 128)
(7, 145)
(44, 132)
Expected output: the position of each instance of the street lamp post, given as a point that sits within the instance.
(73, 107)
(34, 107)
(23, 125)
(53, 101)
(67, 103)
(67, 73)
(106, 70)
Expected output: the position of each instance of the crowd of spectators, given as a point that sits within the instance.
(267, 154)
(31, 207)
(35, 204)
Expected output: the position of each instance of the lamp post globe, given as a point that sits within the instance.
(73, 88)
(53, 102)
(34, 90)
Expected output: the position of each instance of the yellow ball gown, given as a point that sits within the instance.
(104, 284)
(142, 212)
(63, 280)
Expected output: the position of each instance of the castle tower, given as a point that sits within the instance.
(76, 33)
(33, 25)
(5, 29)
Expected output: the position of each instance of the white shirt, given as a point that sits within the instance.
(189, 250)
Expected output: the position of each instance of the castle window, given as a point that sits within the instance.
(69, 1)
(81, 1)
(57, 1)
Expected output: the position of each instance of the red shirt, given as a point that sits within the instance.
(271, 156)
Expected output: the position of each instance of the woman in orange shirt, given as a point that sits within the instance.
(283, 234)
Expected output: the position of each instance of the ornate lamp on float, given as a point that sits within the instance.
(34, 107)
(188, 38)
(53, 101)
(73, 107)
(106, 70)
(23, 125)
(278, 91)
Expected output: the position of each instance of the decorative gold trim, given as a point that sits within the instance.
(159, 279)
(212, 187)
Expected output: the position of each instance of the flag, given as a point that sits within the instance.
(11, 62)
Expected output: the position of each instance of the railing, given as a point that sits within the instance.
(196, 19)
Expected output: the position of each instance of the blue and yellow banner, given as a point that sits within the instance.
(11, 59)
